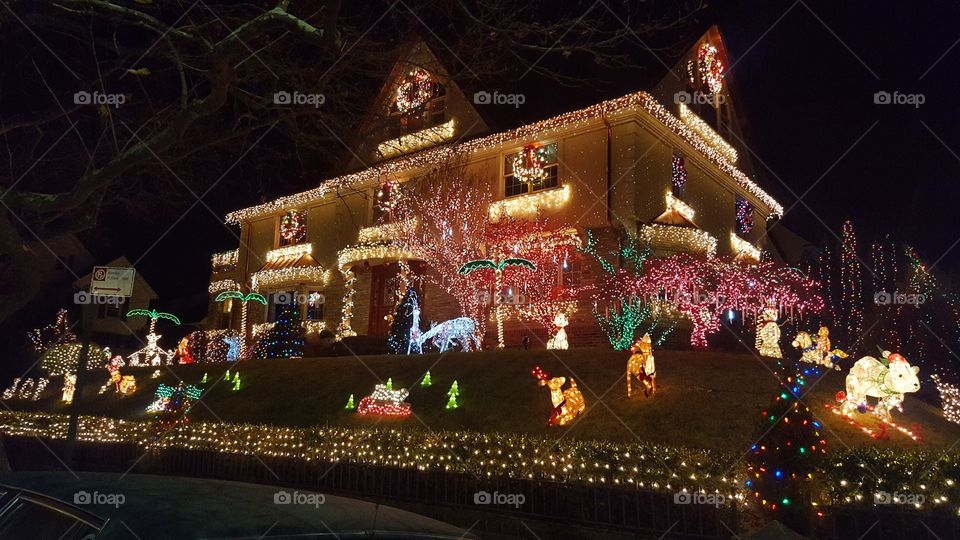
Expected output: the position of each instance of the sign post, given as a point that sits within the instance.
(108, 284)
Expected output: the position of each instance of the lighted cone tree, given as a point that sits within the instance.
(285, 339)
(788, 454)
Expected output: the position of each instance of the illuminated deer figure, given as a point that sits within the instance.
(567, 404)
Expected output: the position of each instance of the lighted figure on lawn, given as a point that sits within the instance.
(818, 352)
(567, 404)
(641, 365)
(234, 347)
(114, 368)
(69, 386)
(559, 340)
(768, 332)
(128, 385)
(183, 351)
(153, 354)
(385, 401)
(888, 379)
(462, 331)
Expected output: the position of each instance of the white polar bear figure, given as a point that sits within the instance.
(887, 379)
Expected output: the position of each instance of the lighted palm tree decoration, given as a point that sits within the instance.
(154, 315)
(238, 295)
(497, 268)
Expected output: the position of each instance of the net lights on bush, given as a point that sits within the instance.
(638, 102)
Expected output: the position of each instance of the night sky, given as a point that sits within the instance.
(804, 85)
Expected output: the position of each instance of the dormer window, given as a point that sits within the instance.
(532, 169)
(293, 228)
(420, 103)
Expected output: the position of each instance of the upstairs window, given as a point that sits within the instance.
(678, 176)
(743, 216)
(293, 228)
(420, 103)
(532, 169)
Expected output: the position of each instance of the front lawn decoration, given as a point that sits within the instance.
(234, 347)
(949, 398)
(28, 390)
(172, 406)
(56, 333)
(405, 327)
(887, 378)
(453, 396)
(128, 385)
(818, 352)
(426, 381)
(567, 404)
(11, 390)
(350, 404)
(183, 351)
(245, 299)
(152, 354)
(497, 267)
(285, 339)
(69, 386)
(768, 332)
(788, 453)
(462, 331)
(559, 340)
(642, 366)
(384, 401)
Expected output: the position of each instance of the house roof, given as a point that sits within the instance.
(640, 102)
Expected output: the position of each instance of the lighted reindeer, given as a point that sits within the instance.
(461, 330)
(887, 379)
(567, 404)
(641, 365)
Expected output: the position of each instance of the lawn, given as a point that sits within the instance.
(704, 399)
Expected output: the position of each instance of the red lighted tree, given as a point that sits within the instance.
(703, 289)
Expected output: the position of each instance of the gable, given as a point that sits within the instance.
(419, 107)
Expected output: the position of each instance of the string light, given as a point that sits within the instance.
(528, 166)
(346, 311)
(358, 253)
(851, 299)
(55, 333)
(744, 217)
(676, 238)
(638, 102)
(419, 140)
(678, 175)
(949, 398)
(222, 285)
(292, 226)
(676, 205)
(268, 279)
(69, 387)
(289, 252)
(225, 260)
(385, 401)
(744, 250)
(707, 134)
(530, 204)
(414, 91)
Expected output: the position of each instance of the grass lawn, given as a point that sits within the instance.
(704, 399)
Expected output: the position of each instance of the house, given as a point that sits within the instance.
(110, 324)
(662, 164)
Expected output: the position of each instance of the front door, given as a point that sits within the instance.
(382, 298)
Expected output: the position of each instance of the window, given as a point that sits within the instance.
(315, 301)
(513, 186)
(226, 312)
(743, 216)
(678, 176)
(432, 113)
(572, 273)
(293, 228)
(277, 301)
(113, 310)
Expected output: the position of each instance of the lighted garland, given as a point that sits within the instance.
(292, 227)
(446, 154)
(528, 166)
(346, 311)
(711, 67)
(414, 91)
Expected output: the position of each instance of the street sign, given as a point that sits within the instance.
(112, 281)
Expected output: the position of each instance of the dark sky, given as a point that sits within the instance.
(804, 77)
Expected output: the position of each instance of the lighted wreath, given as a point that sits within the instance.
(388, 195)
(292, 227)
(415, 90)
(529, 164)
(711, 67)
